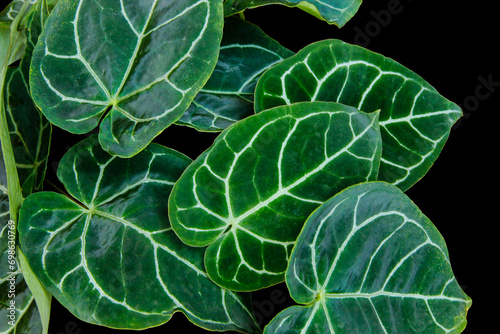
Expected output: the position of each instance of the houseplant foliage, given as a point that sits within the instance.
(249, 194)
(364, 260)
(304, 183)
(120, 216)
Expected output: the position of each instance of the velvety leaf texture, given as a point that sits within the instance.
(130, 65)
(249, 194)
(337, 12)
(245, 53)
(368, 261)
(415, 120)
(107, 251)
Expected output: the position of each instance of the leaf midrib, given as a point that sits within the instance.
(285, 190)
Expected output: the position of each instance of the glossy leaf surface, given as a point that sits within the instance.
(337, 12)
(248, 196)
(415, 120)
(107, 251)
(245, 53)
(132, 65)
(369, 261)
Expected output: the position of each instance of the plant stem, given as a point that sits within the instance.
(13, 185)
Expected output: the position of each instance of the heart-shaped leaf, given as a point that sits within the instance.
(108, 254)
(133, 65)
(415, 120)
(248, 196)
(369, 261)
(245, 53)
(337, 12)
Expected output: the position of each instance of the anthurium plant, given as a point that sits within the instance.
(304, 183)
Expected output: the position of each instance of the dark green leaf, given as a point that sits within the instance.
(415, 120)
(35, 23)
(245, 53)
(337, 12)
(108, 253)
(368, 261)
(30, 132)
(24, 318)
(30, 137)
(11, 11)
(249, 194)
(131, 65)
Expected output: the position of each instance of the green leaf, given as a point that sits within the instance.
(415, 120)
(30, 132)
(248, 196)
(24, 317)
(245, 53)
(11, 11)
(107, 251)
(30, 137)
(36, 21)
(337, 12)
(369, 261)
(43, 298)
(16, 50)
(131, 65)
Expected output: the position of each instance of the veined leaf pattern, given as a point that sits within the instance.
(337, 12)
(30, 132)
(131, 65)
(30, 135)
(249, 194)
(415, 120)
(109, 255)
(10, 12)
(245, 53)
(26, 317)
(369, 261)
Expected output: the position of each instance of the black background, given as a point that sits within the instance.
(454, 47)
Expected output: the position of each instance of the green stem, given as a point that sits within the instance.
(42, 297)
(13, 185)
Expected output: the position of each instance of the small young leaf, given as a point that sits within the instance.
(133, 65)
(337, 12)
(245, 53)
(415, 120)
(249, 194)
(368, 261)
(108, 254)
